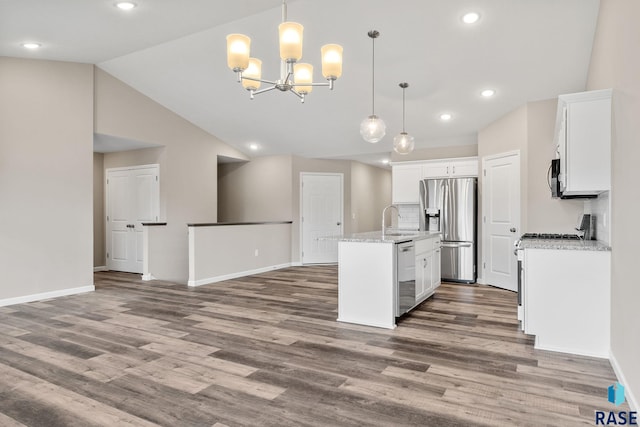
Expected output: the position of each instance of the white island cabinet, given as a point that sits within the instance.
(367, 268)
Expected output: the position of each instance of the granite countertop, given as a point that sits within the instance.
(564, 244)
(390, 236)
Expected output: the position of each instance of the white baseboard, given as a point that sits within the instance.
(296, 264)
(480, 281)
(147, 277)
(629, 394)
(236, 275)
(100, 268)
(568, 350)
(46, 295)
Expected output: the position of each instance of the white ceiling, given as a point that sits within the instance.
(174, 52)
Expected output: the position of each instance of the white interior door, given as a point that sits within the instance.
(321, 215)
(132, 198)
(501, 219)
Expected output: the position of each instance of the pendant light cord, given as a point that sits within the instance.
(373, 76)
(403, 89)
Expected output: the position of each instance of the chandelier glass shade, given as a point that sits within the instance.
(372, 128)
(403, 143)
(295, 77)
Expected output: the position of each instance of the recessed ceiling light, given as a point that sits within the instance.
(470, 18)
(488, 93)
(445, 117)
(125, 5)
(31, 45)
(253, 146)
(385, 161)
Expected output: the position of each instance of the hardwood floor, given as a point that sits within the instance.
(266, 350)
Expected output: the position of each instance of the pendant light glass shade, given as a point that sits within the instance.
(373, 129)
(238, 48)
(290, 41)
(403, 143)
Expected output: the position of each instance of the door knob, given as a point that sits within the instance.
(512, 229)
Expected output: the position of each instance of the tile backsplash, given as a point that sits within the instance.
(409, 216)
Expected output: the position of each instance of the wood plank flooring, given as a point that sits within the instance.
(266, 350)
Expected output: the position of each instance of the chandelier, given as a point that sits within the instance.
(295, 77)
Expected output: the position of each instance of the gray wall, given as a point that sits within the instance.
(46, 134)
(268, 189)
(370, 193)
(615, 63)
(188, 165)
(259, 190)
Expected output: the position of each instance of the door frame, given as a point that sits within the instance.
(107, 238)
(485, 238)
(301, 208)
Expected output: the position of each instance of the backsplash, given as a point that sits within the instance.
(600, 208)
(409, 216)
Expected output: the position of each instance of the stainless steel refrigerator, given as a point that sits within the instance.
(449, 205)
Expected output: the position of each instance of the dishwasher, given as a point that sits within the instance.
(405, 277)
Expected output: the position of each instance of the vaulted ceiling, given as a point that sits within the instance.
(175, 53)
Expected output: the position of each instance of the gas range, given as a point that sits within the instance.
(549, 236)
(542, 236)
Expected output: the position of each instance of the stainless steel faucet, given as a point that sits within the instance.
(384, 211)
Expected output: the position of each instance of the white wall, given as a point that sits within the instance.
(46, 145)
(615, 63)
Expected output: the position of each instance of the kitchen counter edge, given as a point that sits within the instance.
(378, 237)
(566, 245)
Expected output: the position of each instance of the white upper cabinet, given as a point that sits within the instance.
(405, 176)
(583, 141)
(404, 183)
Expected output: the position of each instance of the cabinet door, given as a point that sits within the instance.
(464, 168)
(436, 170)
(435, 271)
(405, 183)
(420, 276)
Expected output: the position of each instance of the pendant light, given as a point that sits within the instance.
(373, 128)
(403, 143)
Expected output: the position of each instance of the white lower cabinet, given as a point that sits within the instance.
(427, 267)
(567, 300)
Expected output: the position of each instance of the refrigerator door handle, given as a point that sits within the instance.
(456, 244)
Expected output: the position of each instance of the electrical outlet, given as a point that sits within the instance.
(257, 253)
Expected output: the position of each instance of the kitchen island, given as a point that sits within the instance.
(368, 274)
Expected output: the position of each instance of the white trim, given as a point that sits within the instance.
(100, 268)
(236, 275)
(147, 277)
(569, 350)
(501, 155)
(296, 264)
(300, 208)
(629, 394)
(46, 295)
(480, 281)
(126, 168)
(427, 161)
(374, 324)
